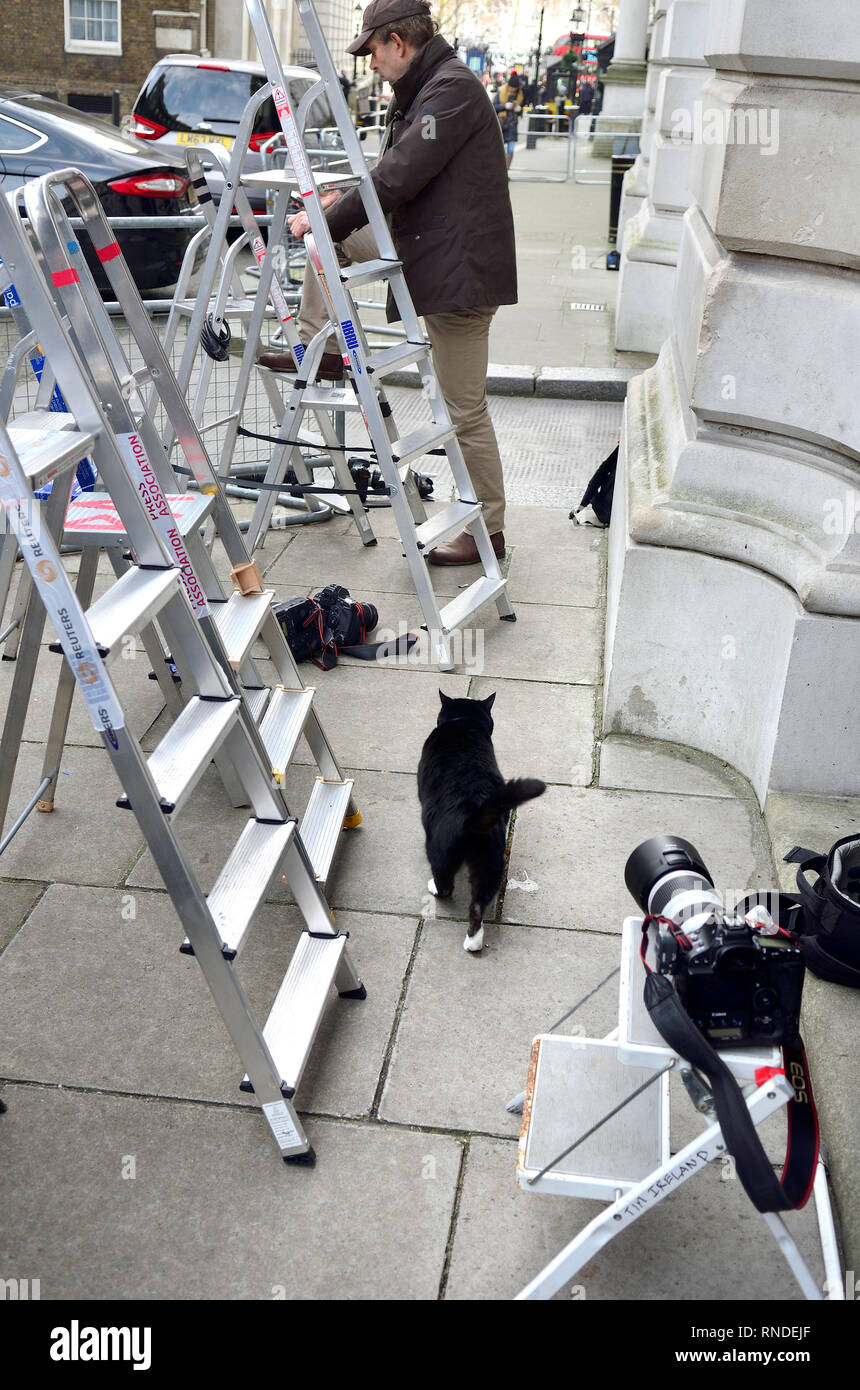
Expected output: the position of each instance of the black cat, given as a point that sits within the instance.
(465, 804)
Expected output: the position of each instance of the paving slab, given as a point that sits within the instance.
(647, 765)
(546, 639)
(212, 1212)
(136, 1015)
(562, 575)
(704, 1242)
(17, 900)
(382, 866)
(464, 1040)
(555, 739)
(548, 529)
(315, 559)
(140, 698)
(86, 839)
(574, 844)
(379, 718)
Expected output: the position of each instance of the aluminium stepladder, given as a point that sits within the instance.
(219, 298)
(366, 396)
(596, 1125)
(217, 719)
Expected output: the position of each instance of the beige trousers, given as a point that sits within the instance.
(460, 346)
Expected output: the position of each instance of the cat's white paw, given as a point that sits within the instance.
(476, 942)
(431, 887)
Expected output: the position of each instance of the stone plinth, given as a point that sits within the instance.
(734, 575)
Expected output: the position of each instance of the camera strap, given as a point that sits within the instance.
(764, 1189)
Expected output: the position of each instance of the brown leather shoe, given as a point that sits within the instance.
(464, 551)
(330, 368)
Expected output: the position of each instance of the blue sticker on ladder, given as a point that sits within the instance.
(298, 353)
(351, 342)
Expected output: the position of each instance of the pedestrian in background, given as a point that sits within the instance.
(509, 104)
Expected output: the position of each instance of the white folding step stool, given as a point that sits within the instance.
(618, 1087)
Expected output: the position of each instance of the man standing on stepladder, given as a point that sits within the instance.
(442, 182)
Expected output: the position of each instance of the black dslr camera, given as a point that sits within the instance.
(738, 975)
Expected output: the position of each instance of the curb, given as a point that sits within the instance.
(565, 383)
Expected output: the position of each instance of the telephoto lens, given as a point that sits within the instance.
(666, 877)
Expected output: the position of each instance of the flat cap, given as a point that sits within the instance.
(380, 13)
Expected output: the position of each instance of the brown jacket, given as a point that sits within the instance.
(442, 182)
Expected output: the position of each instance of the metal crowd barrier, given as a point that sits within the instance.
(585, 129)
(552, 173)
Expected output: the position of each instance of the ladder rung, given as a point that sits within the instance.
(283, 725)
(295, 1017)
(239, 621)
(187, 748)
(412, 446)
(393, 358)
(44, 449)
(366, 272)
(447, 522)
(128, 605)
(322, 823)
(455, 613)
(243, 881)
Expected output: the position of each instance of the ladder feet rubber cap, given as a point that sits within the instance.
(307, 1159)
(507, 617)
(187, 949)
(350, 822)
(287, 1091)
(360, 993)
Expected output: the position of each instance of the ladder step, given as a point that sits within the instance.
(285, 178)
(322, 823)
(573, 1083)
(393, 358)
(256, 698)
(295, 1016)
(366, 272)
(187, 749)
(92, 517)
(239, 621)
(419, 442)
(243, 881)
(127, 606)
(455, 613)
(44, 448)
(447, 522)
(283, 724)
(334, 399)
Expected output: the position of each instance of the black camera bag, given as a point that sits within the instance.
(830, 925)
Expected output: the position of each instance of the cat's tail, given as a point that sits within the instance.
(512, 794)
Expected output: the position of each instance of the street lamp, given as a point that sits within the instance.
(357, 11)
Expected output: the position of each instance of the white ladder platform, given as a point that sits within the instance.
(572, 1084)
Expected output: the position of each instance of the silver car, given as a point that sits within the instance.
(199, 101)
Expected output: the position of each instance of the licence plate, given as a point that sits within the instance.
(194, 137)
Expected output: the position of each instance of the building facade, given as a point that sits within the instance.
(83, 51)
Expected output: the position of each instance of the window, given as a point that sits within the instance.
(18, 138)
(93, 26)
